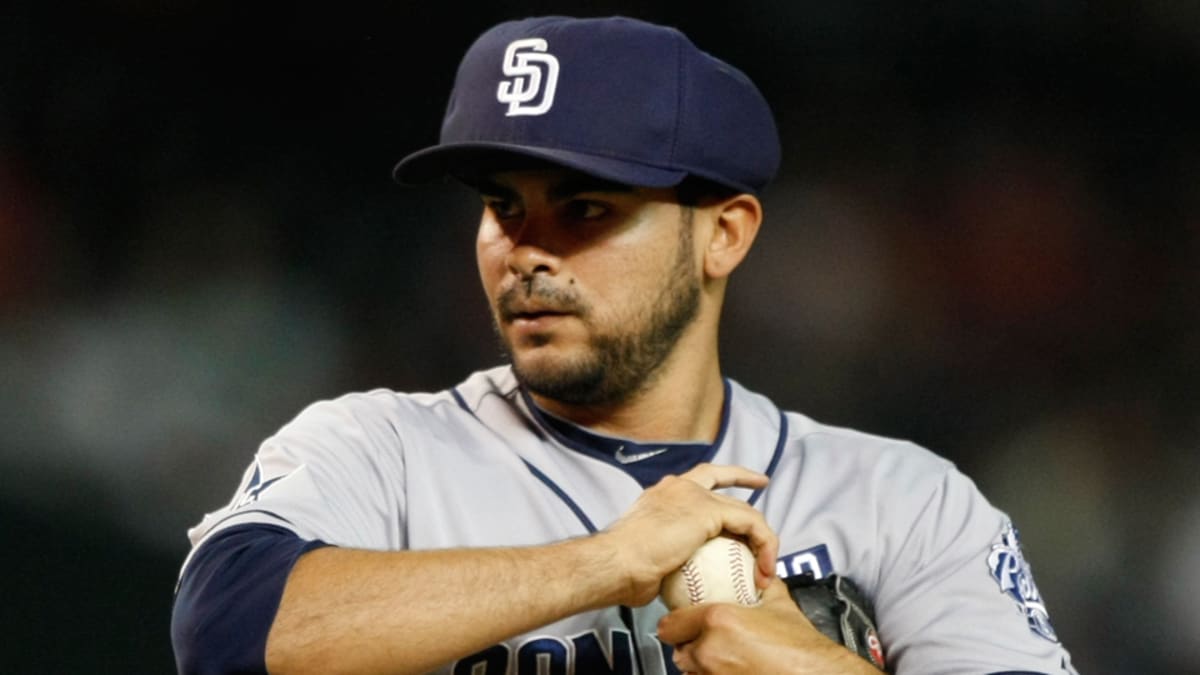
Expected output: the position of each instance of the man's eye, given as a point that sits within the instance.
(585, 210)
(503, 208)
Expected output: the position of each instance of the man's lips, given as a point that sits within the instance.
(540, 304)
(534, 316)
(513, 311)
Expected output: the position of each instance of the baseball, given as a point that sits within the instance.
(721, 570)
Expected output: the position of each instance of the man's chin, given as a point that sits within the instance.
(560, 379)
(544, 363)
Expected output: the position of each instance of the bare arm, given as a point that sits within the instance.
(357, 611)
(351, 611)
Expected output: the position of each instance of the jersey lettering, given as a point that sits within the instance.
(813, 560)
(550, 655)
(491, 661)
(616, 660)
(666, 656)
(542, 656)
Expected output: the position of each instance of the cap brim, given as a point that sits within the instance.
(438, 161)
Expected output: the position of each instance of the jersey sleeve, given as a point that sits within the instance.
(228, 597)
(335, 473)
(955, 592)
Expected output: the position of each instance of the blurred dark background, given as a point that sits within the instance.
(984, 239)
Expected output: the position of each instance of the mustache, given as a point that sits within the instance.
(536, 296)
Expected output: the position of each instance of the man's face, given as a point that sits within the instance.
(591, 283)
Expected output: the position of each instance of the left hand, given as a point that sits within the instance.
(774, 637)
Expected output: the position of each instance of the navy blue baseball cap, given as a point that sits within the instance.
(617, 98)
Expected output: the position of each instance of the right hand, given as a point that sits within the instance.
(774, 637)
(671, 519)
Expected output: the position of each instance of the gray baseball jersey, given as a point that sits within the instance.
(480, 465)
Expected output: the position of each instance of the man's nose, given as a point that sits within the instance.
(533, 251)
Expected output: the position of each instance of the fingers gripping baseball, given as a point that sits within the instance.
(773, 637)
(743, 519)
(671, 519)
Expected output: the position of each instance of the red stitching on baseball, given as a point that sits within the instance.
(737, 569)
(694, 582)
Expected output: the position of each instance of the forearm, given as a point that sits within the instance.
(360, 611)
(353, 611)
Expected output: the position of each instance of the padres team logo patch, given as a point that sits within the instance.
(1015, 577)
(533, 77)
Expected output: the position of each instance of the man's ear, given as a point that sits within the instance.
(735, 223)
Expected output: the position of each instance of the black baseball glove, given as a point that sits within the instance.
(839, 610)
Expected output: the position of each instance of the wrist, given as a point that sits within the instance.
(853, 664)
(599, 574)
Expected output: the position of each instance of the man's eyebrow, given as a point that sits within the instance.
(579, 184)
(562, 190)
(486, 186)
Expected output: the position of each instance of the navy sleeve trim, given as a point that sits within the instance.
(228, 597)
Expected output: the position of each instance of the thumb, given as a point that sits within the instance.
(775, 591)
(682, 625)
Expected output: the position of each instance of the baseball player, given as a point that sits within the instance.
(522, 521)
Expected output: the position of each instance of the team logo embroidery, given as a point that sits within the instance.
(534, 77)
(1015, 578)
(257, 486)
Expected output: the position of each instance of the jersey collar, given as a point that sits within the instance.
(647, 463)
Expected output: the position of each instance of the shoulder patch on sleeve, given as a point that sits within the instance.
(258, 484)
(1015, 578)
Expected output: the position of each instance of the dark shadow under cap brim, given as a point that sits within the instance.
(433, 163)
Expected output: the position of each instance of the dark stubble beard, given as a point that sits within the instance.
(618, 365)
